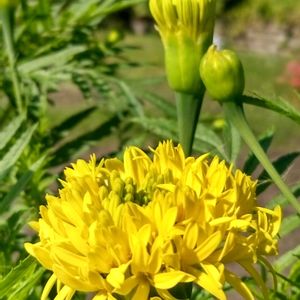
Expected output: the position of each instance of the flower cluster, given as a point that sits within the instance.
(141, 227)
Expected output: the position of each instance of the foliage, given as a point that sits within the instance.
(66, 42)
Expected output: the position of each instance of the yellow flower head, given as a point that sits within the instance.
(186, 28)
(141, 226)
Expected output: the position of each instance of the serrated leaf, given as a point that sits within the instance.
(232, 142)
(281, 200)
(278, 105)
(131, 98)
(102, 11)
(19, 186)
(289, 281)
(166, 129)
(162, 104)
(289, 224)
(53, 59)
(252, 162)
(206, 140)
(61, 129)
(68, 150)
(15, 151)
(281, 165)
(23, 276)
(9, 131)
(287, 259)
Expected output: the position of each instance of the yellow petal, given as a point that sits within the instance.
(128, 285)
(238, 285)
(168, 280)
(209, 245)
(40, 253)
(48, 287)
(209, 284)
(116, 276)
(142, 291)
(66, 293)
(257, 277)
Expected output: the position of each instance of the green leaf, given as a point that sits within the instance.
(289, 281)
(19, 186)
(232, 142)
(281, 200)
(58, 58)
(289, 224)
(9, 131)
(113, 8)
(63, 128)
(131, 98)
(20, 280)
(68, 150)
(166, 129)
(278, 105)
(252, 162)
(281, 165)
(287, 259)
(162, 104)
(206, 140)
(15, 151)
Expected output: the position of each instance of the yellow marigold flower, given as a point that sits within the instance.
(141, 226)
(186, 28)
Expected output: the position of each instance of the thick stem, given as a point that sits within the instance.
(236, 116)
(188, 110)
(5, 14)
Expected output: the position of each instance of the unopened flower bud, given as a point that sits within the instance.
(186, 29)
(222, 74)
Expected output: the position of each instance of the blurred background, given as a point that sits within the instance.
(91, 76)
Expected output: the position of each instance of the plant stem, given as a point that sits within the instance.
(5, 14)
(188, 110)
(235, 114)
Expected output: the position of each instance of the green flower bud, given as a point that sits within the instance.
(186, 28)
(223, 74)
(114, 36)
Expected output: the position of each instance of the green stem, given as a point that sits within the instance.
(5, 14)
(188, 110)
(236, 116)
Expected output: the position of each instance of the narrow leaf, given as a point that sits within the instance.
(278, 105)
(53, 59)
(289, 224)
(61, 129)
(9, 131)
(13, 154)
(281, 200)
(281, 165)
(287, 259)
(252, 162)
(162, 104)
(206, 137)
(19, 186)
(68, 150)
(18, 276)
(232, 142)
